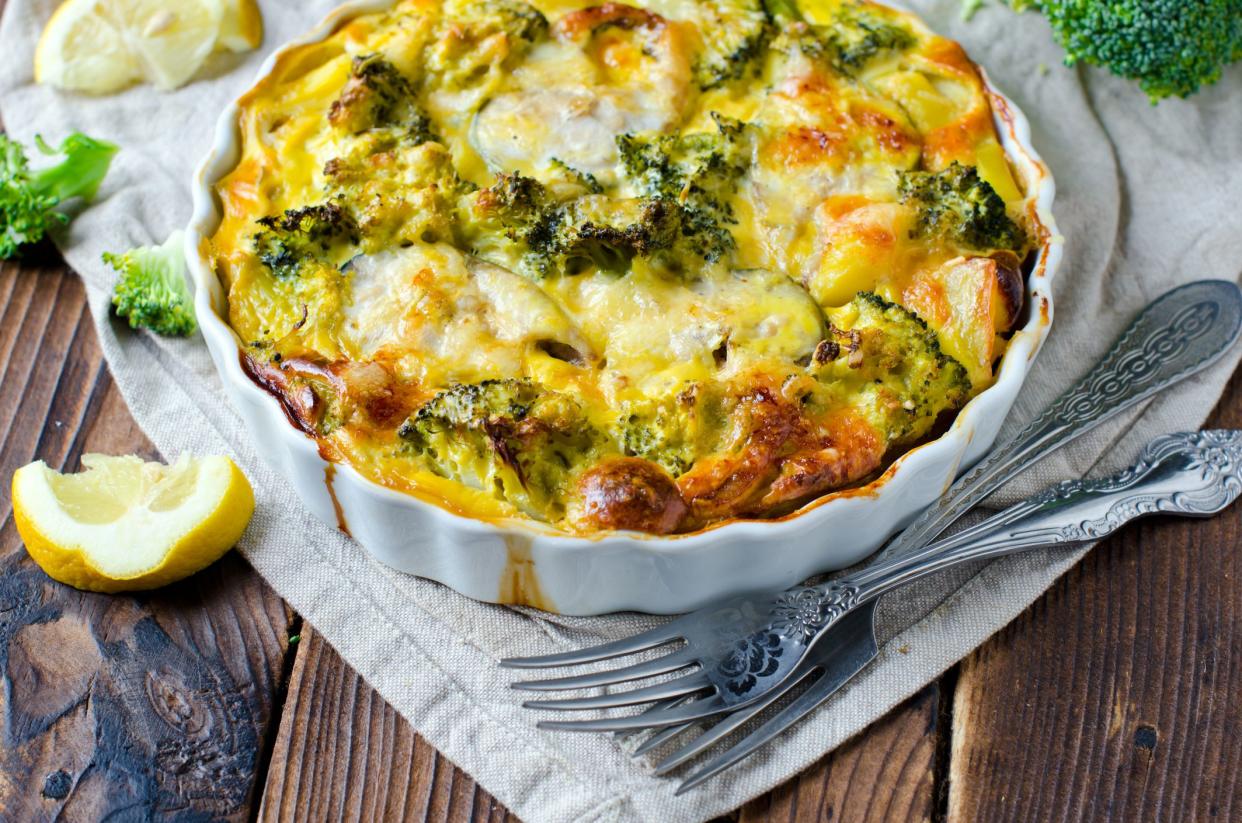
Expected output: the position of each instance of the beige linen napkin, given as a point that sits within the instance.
(1147, 200)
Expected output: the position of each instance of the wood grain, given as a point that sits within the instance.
(149, 707)
(885, 775)
(1116, 696)
(338, 736)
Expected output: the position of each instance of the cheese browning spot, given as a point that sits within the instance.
(645, 267)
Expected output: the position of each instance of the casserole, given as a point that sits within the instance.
(502, 556)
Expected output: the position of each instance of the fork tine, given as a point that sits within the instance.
(676, 716)
(653, 709)
(686, 684)
(664, 665)
(779, 722)
(605, 651)
(727, 725)
(660, 738)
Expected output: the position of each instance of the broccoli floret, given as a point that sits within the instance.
(890, 365)
(853, 37)
(27, 198)
(961, 206)
(1171, 47)
(511, 435)
(695, 175)
(378, 96)
(555, 238)
(151, 292)
(667, 431)
(301, 237)
(518, 19)
(739, 30)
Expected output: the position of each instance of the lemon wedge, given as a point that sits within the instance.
(101, 46)
(124, 524)
(241, 27)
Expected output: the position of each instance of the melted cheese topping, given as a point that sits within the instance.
(602, 266)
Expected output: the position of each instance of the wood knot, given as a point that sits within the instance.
(57, 784)
(174, 704)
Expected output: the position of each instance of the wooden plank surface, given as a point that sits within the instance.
(337, 734)
(1117, 696)
(130, 708)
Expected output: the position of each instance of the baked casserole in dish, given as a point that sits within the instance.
(589, 272)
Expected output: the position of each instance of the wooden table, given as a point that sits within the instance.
(1117, 696)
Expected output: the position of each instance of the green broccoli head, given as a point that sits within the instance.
(378, 96)
(559, 238)
(848, 42)
(302, 237)
(151, 291)
(1171, 47)
(740, 29)
(27, 198)
(695, 175)
(889, 364)
(960, 206)
(512, 435)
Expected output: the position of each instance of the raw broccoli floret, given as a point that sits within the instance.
(300, 237)
(378, 95)
(27, 198)
(1171, 47)
(151, 291)
(739, 29)
(960, 206)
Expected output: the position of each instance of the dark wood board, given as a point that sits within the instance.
(154, 706)
(1118, 695)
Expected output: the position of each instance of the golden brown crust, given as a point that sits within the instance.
(628, 494)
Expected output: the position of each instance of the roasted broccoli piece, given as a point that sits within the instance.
(851, 39)
(151, 291)
(961, 206)
(890, 366)
(378, 96)
(27, 198)
(480, 36)
(739, 30)
(507, 434)
(558, 238)
(301, 237)
(696, 174)
(518, 19)
(668, 431)
(1171, 47)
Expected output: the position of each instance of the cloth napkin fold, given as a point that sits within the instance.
(1147, 200)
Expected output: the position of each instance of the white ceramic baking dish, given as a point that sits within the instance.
(520, 562)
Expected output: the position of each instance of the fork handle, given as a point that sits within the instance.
(1195, 474)
(1175, 336)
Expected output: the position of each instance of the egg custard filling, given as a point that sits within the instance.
(622, 267)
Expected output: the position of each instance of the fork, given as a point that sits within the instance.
(1177, 335)
(1194, 474)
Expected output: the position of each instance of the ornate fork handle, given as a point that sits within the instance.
(1195, 474)
(1175, 336)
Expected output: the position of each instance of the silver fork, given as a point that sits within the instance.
(1176, 336)
(1194, 474)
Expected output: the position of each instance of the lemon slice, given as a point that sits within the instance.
(124, 524)
(241, 27)
(101, 46)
